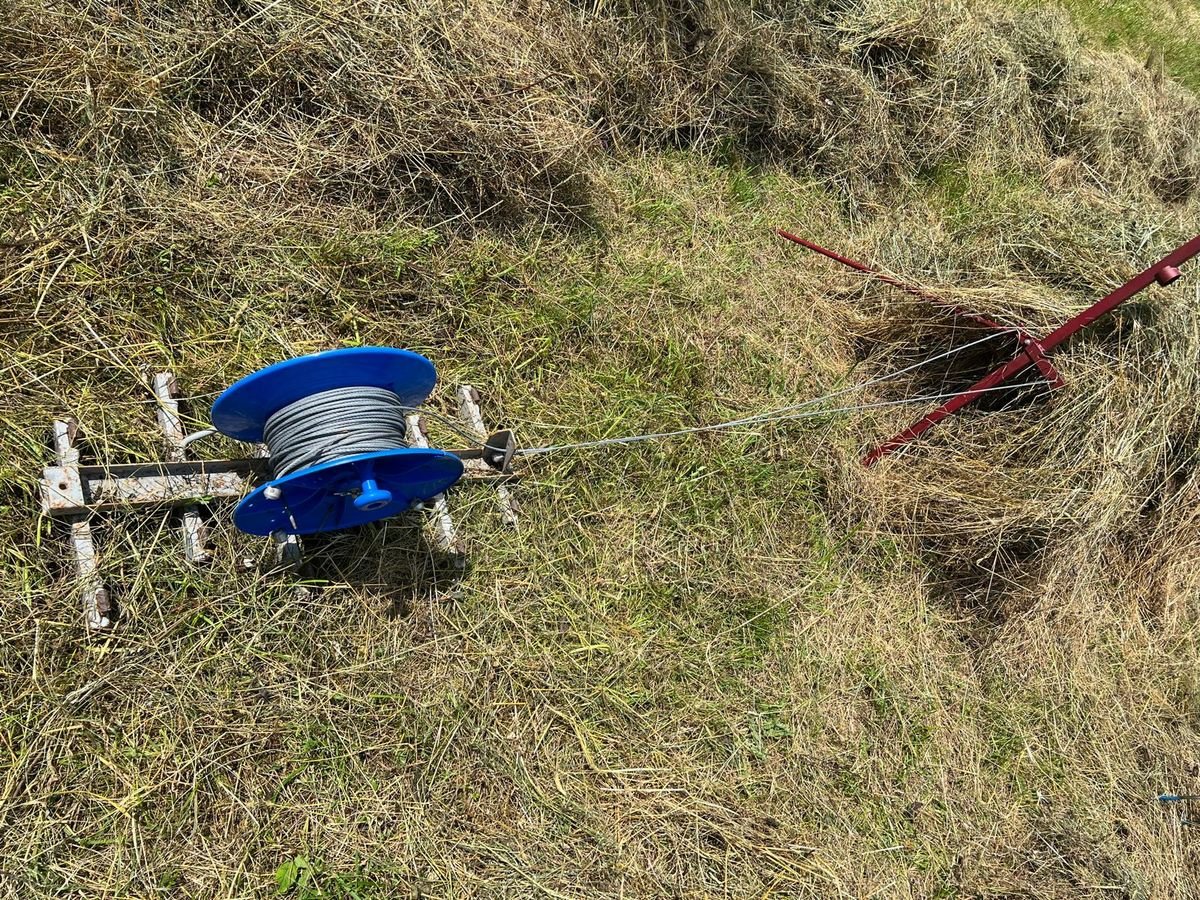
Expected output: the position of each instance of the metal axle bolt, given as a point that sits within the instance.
(1167, 274)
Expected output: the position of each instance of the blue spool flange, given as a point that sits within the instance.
(344, 492)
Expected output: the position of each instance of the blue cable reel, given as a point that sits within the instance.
(333, 422)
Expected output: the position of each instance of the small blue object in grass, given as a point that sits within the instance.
(338, 491)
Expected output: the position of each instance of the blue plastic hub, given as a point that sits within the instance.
(344, 492)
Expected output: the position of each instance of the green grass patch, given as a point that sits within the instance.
(1157, 29)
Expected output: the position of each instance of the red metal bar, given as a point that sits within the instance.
(1165, 271)
(950, 407)
(921, 293)
(1037, 353)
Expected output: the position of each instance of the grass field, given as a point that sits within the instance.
(734, 664)
(1162, 30)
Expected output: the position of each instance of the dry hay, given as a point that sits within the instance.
(280, 172)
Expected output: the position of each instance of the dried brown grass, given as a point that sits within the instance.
(965, 672)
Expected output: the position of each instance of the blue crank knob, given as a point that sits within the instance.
(372, 497)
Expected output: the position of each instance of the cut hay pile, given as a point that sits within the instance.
(570, 201)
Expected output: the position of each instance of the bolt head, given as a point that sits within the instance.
(1166, 275)
(272, 493)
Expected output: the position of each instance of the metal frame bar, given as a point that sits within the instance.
(195, 531)
(471, 415)
(1032, 352)
(1164, 272)
(97, 606)
(74, 489)
(71, 492)
(445, 537)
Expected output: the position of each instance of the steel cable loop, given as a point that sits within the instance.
(334, 424)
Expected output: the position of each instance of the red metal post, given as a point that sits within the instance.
(920, 293)
(1165, 271)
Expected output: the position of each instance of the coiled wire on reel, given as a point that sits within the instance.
(334, 424)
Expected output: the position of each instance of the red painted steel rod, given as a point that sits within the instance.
(1044, 366)
(1165, 271)
(921, 293)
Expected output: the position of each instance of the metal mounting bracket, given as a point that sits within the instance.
(71, 491)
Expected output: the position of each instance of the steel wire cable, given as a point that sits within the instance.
(345, 421)
(334, 424)
(763, 419)
(782, 413)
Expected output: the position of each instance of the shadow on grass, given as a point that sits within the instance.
(394, 559)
